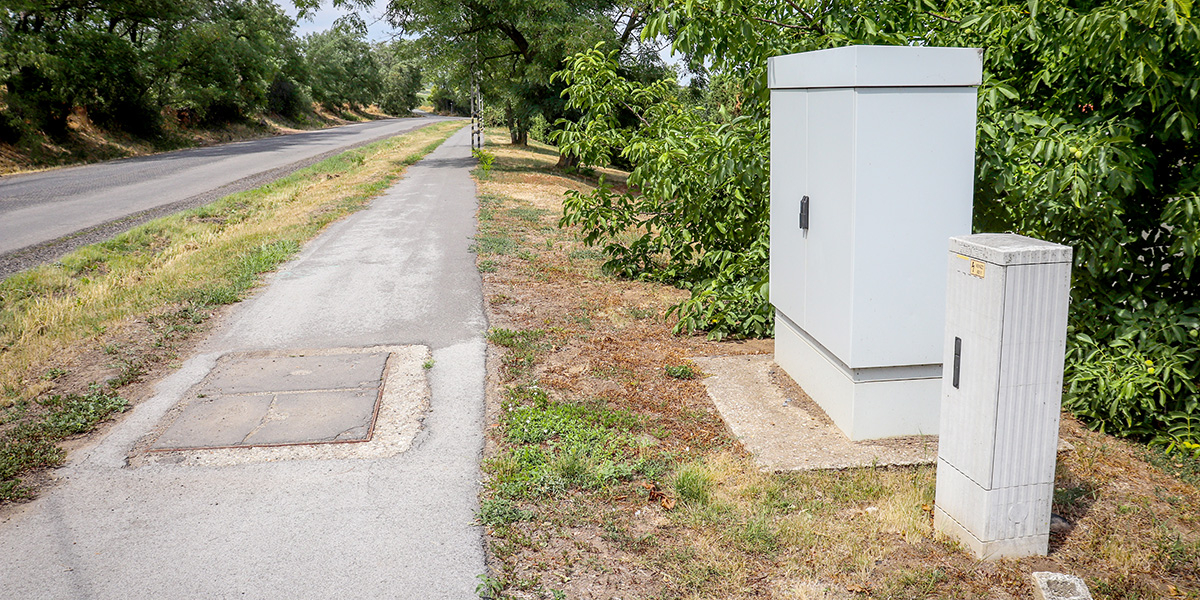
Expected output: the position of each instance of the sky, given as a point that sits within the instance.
(377, 28)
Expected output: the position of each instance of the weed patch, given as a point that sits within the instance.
(559, 446)
(681, 371)
(501, 511)
(499, 243)
(31, 445)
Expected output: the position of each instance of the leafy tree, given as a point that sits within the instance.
(512, 47)
(124, 60)
(701, 204)
(223, 64)
(1087, 136)
(344, 68)
(401, 72)
(56, 56)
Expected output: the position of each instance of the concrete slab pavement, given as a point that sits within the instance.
(390, 518)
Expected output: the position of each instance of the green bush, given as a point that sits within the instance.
(539, 129)
(485, 159)
(700, 217)
(287, 98)
(1142, 382)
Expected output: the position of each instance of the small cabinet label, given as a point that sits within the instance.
(977, 268)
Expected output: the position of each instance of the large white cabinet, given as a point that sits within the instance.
(880, 140)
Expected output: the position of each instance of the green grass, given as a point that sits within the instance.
(501, 511)
(522, 348)
(494, 243)
(553, 447)
(693, 485)
(528, 214)
(681, 372)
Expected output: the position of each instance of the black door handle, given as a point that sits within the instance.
(957, 359)
(804, 213)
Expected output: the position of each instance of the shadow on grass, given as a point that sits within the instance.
(1073, 500)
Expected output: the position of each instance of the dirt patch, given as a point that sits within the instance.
(710, 523)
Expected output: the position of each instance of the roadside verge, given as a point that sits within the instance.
(610, 474)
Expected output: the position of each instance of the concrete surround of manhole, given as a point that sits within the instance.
(328, 403)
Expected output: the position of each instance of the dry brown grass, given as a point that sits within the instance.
(862, 533)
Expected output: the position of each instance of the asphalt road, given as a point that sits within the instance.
(45, 215)
(401, 526)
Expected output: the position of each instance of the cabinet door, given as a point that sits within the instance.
(1030, 384)
(829, 289)
(967, 430)
(789, 179)
(914, 162)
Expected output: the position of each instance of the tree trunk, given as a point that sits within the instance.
(517, 133)
(567, 161)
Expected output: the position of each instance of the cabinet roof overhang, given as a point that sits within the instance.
(877, 66)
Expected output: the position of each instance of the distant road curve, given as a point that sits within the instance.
(46, 215)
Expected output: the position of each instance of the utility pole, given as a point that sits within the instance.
(476, 102)
(476, 117)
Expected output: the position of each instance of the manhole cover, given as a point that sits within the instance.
(280, 400)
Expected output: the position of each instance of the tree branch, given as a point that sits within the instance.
(472, 30)
(635, 19)
(942, 17)
(812, 20)
(635, 113)
(506, 54)
(513, 34)
(779, 24)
